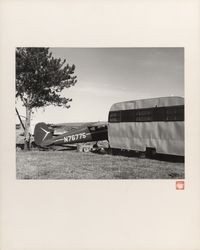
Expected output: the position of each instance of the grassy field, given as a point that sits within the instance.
(77, 165)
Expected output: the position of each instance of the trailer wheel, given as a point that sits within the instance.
(142, 155)
(150, 152)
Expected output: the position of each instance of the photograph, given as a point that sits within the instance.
(99, 113)
(100, 125)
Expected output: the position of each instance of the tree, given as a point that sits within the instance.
(40, 79)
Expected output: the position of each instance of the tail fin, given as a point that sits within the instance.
(41, 133)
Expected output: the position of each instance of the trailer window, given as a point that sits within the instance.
(128, 115)
(175, 113)
(144, 115)
(159, 114)
(156, 114)
(114, 116)
(172, 113)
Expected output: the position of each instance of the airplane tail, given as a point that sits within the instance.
(41, 133)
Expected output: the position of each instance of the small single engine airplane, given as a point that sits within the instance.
(44, 137)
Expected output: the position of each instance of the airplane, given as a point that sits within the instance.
(44, 136)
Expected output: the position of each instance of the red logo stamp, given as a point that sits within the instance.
(180, 185)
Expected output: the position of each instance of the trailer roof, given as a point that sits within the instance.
(147, 103)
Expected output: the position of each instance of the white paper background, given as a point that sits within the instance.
(135, 214)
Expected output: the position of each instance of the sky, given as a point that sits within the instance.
(109, 75)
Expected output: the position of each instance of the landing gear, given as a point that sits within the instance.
(86, 149)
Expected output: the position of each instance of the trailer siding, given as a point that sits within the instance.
(165, 136)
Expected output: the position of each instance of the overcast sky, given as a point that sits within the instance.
(109, 75)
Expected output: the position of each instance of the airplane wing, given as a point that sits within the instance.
(64, 128)
(100, 124)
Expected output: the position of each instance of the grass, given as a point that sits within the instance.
(77, 165)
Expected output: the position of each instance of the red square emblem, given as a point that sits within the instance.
(180, 185)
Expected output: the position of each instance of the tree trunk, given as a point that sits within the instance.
(27, 129)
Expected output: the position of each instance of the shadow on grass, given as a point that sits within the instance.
(148, 155)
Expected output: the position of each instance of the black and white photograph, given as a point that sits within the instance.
(100, 113)
(100, 125)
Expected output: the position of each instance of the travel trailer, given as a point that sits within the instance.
(155, 124)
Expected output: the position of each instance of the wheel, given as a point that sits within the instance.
(86, 149)
(79, 148)
(142, 155)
